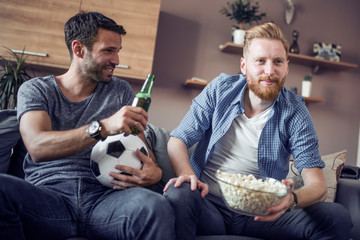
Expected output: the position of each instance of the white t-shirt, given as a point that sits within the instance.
(237, 150)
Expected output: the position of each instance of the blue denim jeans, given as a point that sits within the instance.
(81, 207)
(210, 216)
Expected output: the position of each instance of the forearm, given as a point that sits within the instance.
(44, 144)
(179, 157)
(51, 145)
(314, 189)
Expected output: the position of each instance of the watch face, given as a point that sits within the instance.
(93, 127)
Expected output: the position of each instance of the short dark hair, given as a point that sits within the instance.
(84, 27)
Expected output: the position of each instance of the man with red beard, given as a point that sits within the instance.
(251, 124)
(61, 118)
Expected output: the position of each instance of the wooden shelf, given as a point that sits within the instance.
(313, 62)
(195, 84)
(200, 85)
(313, 100)
(305, 60)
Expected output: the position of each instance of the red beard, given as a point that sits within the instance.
(267, 92)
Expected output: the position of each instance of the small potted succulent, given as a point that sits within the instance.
(243, 12)
(12, 75)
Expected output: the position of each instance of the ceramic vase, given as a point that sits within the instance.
(238, 36)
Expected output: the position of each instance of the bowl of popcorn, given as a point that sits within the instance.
(248, 195)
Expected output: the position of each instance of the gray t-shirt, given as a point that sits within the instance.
(44, 94)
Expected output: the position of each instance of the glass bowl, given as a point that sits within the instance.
(248, 195)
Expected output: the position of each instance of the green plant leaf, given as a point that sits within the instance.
(13, 75)
(242, 11)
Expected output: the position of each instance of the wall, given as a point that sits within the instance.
(190, 32)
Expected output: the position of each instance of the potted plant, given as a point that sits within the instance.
(243, 12)
(12, 75)
(306, 86)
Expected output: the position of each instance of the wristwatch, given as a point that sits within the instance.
(94, 129)
(293, 206)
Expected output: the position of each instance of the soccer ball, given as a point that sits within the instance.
(116, 149)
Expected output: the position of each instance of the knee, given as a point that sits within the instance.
(334, 212)
(334, 216)
(340, 215)
(157, 211)
(182, 196)
(157, 202)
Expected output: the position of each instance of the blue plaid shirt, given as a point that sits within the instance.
(289, 130)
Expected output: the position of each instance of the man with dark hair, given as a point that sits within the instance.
(61, 118)
(250, 124)
(83, 27)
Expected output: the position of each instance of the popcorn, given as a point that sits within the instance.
(250, 196)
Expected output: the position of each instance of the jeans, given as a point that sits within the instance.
(81, 207)
(210, 216)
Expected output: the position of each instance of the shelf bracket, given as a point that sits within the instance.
(315, 69)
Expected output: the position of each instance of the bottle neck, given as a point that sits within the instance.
(145, 91)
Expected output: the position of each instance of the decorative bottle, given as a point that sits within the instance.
(294, 48)
(143, 98)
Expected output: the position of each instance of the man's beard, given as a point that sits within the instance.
(265, 92)
(94, 70)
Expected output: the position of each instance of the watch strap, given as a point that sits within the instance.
(96, 135)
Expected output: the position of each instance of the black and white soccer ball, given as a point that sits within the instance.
(117, 149)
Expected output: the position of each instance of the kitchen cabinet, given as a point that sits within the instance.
(140, 20)
(38, 26)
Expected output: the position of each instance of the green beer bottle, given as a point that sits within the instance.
(143, 98)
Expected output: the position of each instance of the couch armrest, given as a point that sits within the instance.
(9, 136)
(348, 194)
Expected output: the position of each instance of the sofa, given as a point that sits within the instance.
(12, 152)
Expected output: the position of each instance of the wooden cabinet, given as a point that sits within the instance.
(38, 26)
(140, 20)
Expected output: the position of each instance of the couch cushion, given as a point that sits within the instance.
(348, 195)
(156, 139)
(9, 135)
(334, 164)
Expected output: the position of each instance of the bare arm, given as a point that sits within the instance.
(179, 158)
(44, 144)
(313, 191)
